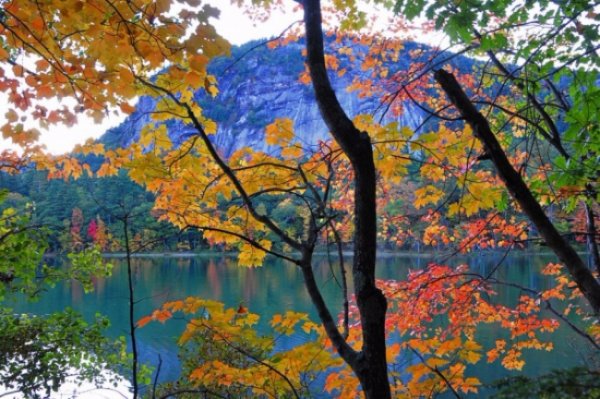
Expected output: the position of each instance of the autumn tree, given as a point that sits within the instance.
(548, 61)
(102, 237)
(103, 54)
(75, 229)
(92, 230)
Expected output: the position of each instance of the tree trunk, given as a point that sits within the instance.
(591, 237)
(582, 276)
(370, 365)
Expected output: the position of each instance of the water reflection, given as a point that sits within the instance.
(275, 288)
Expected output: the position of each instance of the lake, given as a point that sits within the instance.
(275, 288)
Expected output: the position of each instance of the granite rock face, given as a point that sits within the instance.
(258, 86)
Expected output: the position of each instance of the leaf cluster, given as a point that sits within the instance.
(39, 353)
(223, 352)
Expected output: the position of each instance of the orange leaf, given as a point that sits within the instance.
(144, 320)
(18, 70)
(162, 315)
(127, 109)
(38, 24)
(198, 62)
(41, 65)
(194, 79)
(31, 80)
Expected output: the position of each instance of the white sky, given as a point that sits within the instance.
(232, 24)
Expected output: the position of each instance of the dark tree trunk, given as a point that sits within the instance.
(370, 364)
(591, 237)
(582, 276)
(132, 302)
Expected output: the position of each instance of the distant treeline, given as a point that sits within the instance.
(90, 210)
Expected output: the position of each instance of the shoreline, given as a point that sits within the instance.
(381, 254)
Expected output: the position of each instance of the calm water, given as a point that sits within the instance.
(275, 288)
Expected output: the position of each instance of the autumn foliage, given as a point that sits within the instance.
(429, 184)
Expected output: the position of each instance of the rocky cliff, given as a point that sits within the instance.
(256, 86)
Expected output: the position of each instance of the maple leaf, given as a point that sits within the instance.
(194, 79)
(127, 109)
(426, 195)
(198, 62)
(162, 315)
(292, 152)
(280, 132)
(144, 320)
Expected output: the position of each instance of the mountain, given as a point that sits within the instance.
(258, 84)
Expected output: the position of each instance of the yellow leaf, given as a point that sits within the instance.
(157, 136)
(107, 169)
(454, 209)
(436, 362)
(161, 138)
(448, 346)
(210, 127)
(279, 132)
(406, 132)
(470, 356)
(210, 85)
(310, 326)
(291, 152)
(433, 172)
(427, 195)
(250, 256)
